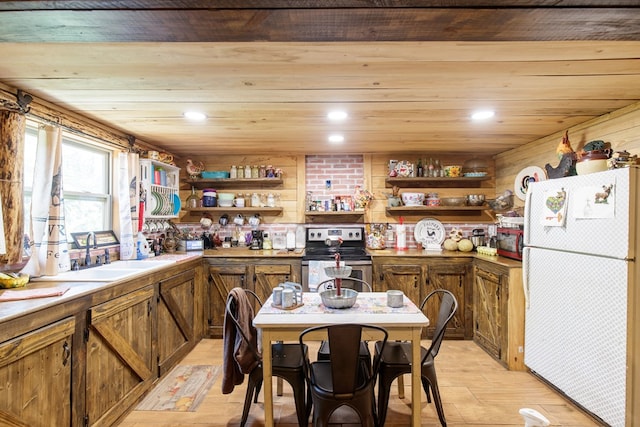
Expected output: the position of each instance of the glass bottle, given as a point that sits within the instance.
(193, 200)
(255, 172)
(430, 168)
(271, 200)
(420, 171)
(263, 171)
(240, 171)
(247, 171)
(233, 173)
(255, 200)
(436, 168)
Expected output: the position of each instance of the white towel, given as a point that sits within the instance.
(127, 203)
(317, 274)
(51, 253)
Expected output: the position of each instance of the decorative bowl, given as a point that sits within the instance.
(585, 167)
(413, 199)
(453, 201)
(13, 280)
(341, 272)
(452, 171)
(475, 199)
(346, 299)
(214, 174)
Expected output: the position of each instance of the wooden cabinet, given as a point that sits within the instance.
(498, 312)
(405, 274)
(417, 276)
(35, 377)
(176, 315)
(454, 275)
(260, 275)
(119, 363)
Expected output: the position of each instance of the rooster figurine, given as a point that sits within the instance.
(194, 169)
(564, 147)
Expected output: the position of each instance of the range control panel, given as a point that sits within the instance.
(346, 234)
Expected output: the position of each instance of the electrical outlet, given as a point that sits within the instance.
(327, 184)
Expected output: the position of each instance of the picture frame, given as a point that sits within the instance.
(103, 238)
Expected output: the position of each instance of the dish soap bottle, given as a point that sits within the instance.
(142, 246)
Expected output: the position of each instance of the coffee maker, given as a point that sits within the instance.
(256, 239)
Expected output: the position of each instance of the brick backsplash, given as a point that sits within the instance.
(345, 172)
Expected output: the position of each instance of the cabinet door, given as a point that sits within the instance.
(30, 398)
(487, 316)
(454, 276)
(405, 277)
(119, 355)
(266, 277)
(176, 319)
(222, 278)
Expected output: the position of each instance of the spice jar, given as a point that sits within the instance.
(247, 171)
(233, 173)
(255, 173)
(263, 171)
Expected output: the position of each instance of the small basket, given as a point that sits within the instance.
(346, 299)
(341, 272)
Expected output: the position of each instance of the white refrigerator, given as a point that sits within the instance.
(580, 273)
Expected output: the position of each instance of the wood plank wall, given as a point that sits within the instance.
(620, 128)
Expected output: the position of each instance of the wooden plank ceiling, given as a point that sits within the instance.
(408, 73)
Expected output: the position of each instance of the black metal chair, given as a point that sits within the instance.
(342, 380)
(351, 283)
(288, 360)
(395, 357)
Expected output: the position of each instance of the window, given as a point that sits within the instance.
(86, 178)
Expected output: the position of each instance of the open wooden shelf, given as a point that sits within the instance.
(440, 182)
(231, 183)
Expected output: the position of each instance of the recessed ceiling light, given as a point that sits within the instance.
(194, 115)
(336, 139)
(337, 115)
(483, 115)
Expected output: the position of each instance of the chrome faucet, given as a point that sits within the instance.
(87, 257)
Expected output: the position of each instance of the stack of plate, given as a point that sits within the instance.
(163, 204)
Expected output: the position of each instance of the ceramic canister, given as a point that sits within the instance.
(209, 198)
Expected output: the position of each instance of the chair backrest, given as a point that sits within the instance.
(348, 282)
(448, 307)
(345, 363)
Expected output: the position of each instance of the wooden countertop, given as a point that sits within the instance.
(422, 253)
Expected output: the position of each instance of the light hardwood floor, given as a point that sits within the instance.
(476, 391)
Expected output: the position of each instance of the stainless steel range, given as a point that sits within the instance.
(322, 245)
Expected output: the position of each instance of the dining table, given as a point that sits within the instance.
(402, 323)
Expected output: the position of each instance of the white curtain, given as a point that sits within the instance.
(126, 203)
(50, 252)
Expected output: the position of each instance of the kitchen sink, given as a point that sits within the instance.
(96, 274)
(105, 273)
(132, 264)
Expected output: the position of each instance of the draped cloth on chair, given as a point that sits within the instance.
(50, 251)
(126, 203)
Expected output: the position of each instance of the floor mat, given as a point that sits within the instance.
(182, 390)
